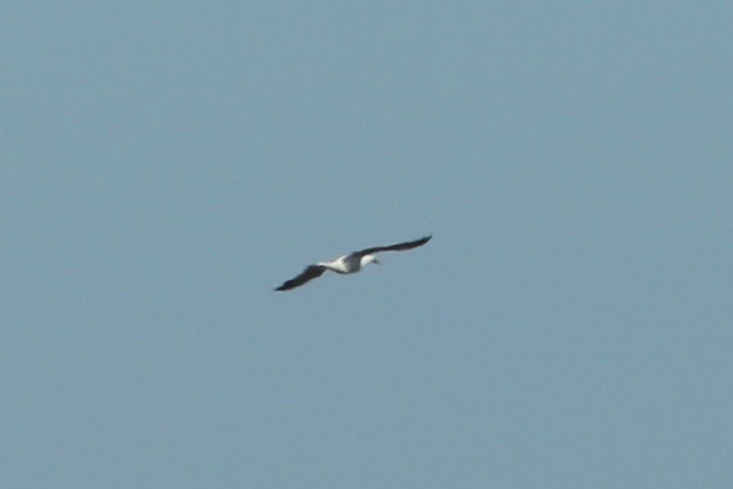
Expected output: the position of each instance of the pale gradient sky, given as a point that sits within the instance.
(164, 165)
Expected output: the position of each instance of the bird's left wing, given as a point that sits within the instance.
(408, 245)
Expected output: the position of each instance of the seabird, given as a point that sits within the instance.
(351, 263)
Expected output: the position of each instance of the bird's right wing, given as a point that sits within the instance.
(310, 272)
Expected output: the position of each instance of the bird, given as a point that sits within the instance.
(351, 263)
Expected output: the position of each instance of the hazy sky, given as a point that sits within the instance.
(164, 165)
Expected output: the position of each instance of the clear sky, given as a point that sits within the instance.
(164, 165)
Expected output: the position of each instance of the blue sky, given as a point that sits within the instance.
(165, 165)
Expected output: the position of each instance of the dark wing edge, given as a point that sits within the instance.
(396, 247)
(310, 272)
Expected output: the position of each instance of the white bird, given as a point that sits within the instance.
(351, 263)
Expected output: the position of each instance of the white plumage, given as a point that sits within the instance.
(351, 263)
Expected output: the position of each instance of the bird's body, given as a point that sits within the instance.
(350, 263)
(346, 264)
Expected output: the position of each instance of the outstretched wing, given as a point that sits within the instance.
(311, 272)
(396, 247)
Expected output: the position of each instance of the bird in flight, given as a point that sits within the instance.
(351, 263)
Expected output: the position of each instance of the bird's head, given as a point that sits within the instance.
(366, 259)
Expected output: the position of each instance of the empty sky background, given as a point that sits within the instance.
(164, 165)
